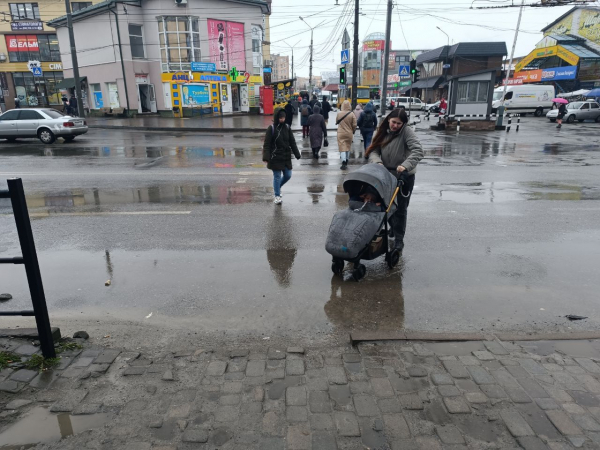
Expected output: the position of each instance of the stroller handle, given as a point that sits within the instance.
(399, 184)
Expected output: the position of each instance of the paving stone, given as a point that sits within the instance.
(44, 379)
(573, 408)
(532, 443)
(533, 388)
(99, 368)
(424, 443)
(87, 408)
(298, 438)
(590, 383)
(411, 402)
(575, 370)
(495, 347)
(237, 365)
(336, 375)
(515, 423)
(504, 378)
(352, 357)
(449, 435)
(547, 403)
(448, 391)
(532, 366)
(297, 350)
(567, 381)
(396, 427)
(323, 440)
(83, 362)
(26, 350)
(295, 396)
(559, 446)
(316, 380)
(195, 435)
(586, 422)
(469, 360)
(346, 423)
(276, 353)
(577, 441)
(382, 387)
(480, 375)
(518, 372)
(295, 413)
(365, 406)
(416, 371)
(456, 369)
(216, 368)
(255, 368)
(168, 376)
(484, 355)
(321, 422)
(440, 379)
(239, 353)
(294, 367)
(517, 395)
(538, 421)
(134, 371)
(553, 367)
(476, 397)
(564, 424)
(230, 400)
(227, 414)
(16, 404)
(588, 365)
(508, 362)
(457, 405)
(23, 375)
(389, 405)
(105, 357)
(319, 402)
(376, 373)
(493, 391)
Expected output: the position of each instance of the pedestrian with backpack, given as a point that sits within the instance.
(305, 112)
(278, 147)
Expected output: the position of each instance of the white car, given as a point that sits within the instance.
(578, 111)
(44, 123)
(415, 103)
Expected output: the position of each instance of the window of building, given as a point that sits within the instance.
(136, 40)
(76, 6)
(24, 11)
(39, 47)
(38, 91)
(179, 40)
(256, 39)
(473, 91)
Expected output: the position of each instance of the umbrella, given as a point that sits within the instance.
(560, 100)
(593, 93)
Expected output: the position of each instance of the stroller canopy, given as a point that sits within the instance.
(375, 175)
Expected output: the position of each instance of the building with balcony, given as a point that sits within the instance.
(281, 68)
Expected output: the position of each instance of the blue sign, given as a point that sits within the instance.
(204, 67)
(37, 71)
(195, 94)
(404, 71)
(345, 56)
(559, 73)
(98, 99)
(267, 70)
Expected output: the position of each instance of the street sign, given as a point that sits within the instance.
(341, 86)
(203, 67)
(404, 71)
(346, 40)
(37, 71)
(345, 56)
(404, 83)
(446, 66)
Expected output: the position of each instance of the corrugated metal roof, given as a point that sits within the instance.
(581, 51)
(564, 38)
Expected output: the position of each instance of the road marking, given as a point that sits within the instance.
(108, 213)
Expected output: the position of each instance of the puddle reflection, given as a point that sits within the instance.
(281, 247)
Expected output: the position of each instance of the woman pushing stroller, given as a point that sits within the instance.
(398, 149)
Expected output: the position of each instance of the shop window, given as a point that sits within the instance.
(179, 41)
(41, 47)
(24, 11)
(473, 92)
(136, 40)
(38, 91)
(77, 6)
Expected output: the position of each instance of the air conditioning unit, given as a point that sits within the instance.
(181, 2)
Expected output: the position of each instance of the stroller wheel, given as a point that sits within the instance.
(359, 272)
(337, 266)
(392, 258)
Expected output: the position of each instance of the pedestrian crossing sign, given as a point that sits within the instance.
(404, 71)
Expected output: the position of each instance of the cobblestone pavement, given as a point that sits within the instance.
(400, 395)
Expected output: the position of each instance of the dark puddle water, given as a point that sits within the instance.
(42, 426)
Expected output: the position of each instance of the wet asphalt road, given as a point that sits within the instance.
(503, 234)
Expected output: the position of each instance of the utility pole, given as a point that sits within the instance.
(80, 109)
(311, 61)
(512, 54)
(386, 56)
(355, 57)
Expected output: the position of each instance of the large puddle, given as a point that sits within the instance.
(40, 426)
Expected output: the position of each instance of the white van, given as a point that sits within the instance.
(524, 98)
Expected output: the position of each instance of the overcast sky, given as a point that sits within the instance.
(417, 18)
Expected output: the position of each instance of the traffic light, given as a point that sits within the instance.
(413, 71)
(342, 75)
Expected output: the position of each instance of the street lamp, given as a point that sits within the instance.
(311, 53)
(448, 42)
(292, 47)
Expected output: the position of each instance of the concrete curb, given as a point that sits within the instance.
(409, 335)
(195, 129)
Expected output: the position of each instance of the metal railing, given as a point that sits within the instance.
(16, 194)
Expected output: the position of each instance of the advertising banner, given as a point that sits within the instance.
(567, 56)
(22, 43)
(371, 77)
(371, 46)
(195, 94)
(512, 81)
(589, 25)
(530, 76)
(392, 61)
(559, 73)
(226, 44)
(203, 67)
(27, 26)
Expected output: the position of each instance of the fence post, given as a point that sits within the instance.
(32, 268)
(518, 122)
(458, 126)
(509, 123)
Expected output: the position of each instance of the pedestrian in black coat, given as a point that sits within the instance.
(326, 108)
(289, 113)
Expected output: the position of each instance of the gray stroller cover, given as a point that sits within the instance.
(353, 228)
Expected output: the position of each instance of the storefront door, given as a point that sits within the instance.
(235, 97)
(226, 103)
(146, 98)
(245, 101)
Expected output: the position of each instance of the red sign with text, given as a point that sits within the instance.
(22, 43)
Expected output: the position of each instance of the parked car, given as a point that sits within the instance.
(415, 103)
(524, 98)
(44, 123)
(578, 111)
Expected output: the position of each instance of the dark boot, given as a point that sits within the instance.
(399, 228)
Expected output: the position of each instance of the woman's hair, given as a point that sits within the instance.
(384, 128)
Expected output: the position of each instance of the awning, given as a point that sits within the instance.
(580, 92)
(69, 83)
(430, 83)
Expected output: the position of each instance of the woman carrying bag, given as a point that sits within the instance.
(345, 133)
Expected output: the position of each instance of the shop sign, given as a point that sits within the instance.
(203, 67)
(27, 26)
(559, 73)
(512, 81)
(55, 66)
(213, 78)
(530, 76)
(22, 43)
(567, 56)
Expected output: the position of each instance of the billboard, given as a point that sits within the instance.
(529, 76)
(226, 44)
(372, 46)
(22, 43)
(589, 25)
(371, 77)
(559, 73)
(195, 94)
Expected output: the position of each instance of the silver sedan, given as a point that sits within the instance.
(577, 111)
(44, 123)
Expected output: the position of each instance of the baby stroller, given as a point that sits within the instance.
(361, 231)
